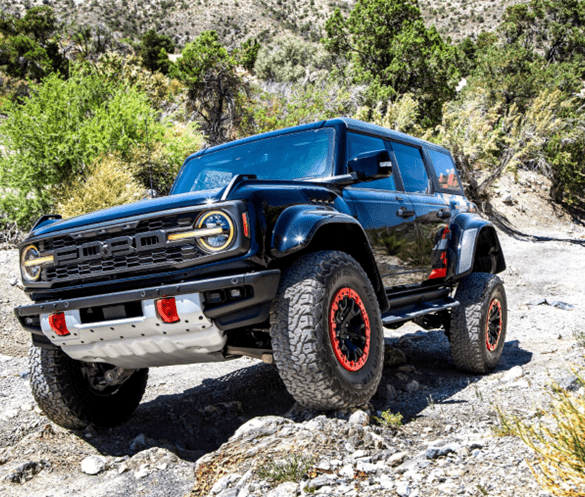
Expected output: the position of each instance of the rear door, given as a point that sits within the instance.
(432, 211)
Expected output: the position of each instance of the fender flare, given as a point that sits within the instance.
(473, 237)
(308, 227)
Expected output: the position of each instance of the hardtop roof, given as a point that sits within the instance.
(350, 124)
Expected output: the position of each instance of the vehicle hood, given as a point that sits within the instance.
(129, 210)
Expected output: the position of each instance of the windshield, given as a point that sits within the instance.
(300, 155)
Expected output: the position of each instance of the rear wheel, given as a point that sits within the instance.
(74, 394)
(478, 325)
(327, 333)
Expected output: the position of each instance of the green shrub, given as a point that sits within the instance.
(108, 183)
(295, 104)
(59, 130)
(389, 419)
(293, 468)
(161, 160)
(291, 59)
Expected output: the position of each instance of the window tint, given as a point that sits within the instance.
(358, 144)
(302, 154)
(412, 168)
(445, 170)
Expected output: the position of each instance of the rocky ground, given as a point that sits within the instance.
(231, 430)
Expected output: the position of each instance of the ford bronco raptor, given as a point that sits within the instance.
(295, 247)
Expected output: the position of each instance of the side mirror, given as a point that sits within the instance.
(371, 165)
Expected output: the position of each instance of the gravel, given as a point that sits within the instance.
(208, 430)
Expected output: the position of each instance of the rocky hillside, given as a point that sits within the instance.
(237, 20)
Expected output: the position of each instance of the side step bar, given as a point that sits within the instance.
(409, 312)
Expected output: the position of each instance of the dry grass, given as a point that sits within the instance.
(558, 439)
(108, 183)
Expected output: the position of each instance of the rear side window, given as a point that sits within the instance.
(358, 144)
(445, 171)
(412, 168)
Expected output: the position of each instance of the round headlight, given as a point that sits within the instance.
(30, 273)
(220, 241)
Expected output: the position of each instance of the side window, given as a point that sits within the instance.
(358, 144)
(412, 168)
(445, 171)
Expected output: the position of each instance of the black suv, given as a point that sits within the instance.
(295, 247)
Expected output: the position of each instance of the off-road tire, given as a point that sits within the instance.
(475, 346)
(66, 397)
(300, 331)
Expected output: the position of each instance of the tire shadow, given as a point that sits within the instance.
(437, 379)
(200, 419)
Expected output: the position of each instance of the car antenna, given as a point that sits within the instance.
(152, 195)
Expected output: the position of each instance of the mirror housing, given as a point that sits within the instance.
(371, 165)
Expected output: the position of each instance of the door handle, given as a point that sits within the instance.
(444, 214)
(404, 212)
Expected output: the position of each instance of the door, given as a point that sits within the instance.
(432, 211)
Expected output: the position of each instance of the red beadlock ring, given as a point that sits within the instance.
(493, 325)
(334, 334)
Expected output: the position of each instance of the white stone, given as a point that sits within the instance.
(93, 465)
(366, 467)
(288, 489)
(403, 488)
(347, 471)
(261, 426)
(141, 472)
(513, 374)
(386, 482)
(398, 458)
(413, 386)
(359, 418)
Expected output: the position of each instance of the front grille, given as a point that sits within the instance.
(134, 248)
(144, 226)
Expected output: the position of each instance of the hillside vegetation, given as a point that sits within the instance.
(502, 100)
(235, 20)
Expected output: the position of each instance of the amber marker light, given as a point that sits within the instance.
(246, 225)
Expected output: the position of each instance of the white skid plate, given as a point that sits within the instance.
(144, 341)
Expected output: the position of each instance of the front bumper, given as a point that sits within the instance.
(145, 340)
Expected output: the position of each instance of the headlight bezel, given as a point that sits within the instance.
(202, 241)
(35, 271)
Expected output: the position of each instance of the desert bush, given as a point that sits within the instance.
(279, 106)
(156, 165)
(558, 441)
(488, 140)
(291, 59)
(400, 115)
(115, 67)
(107, 183)
(59, 130)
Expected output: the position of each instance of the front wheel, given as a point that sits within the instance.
(74, 394)
(327, 333)
(478, 325)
